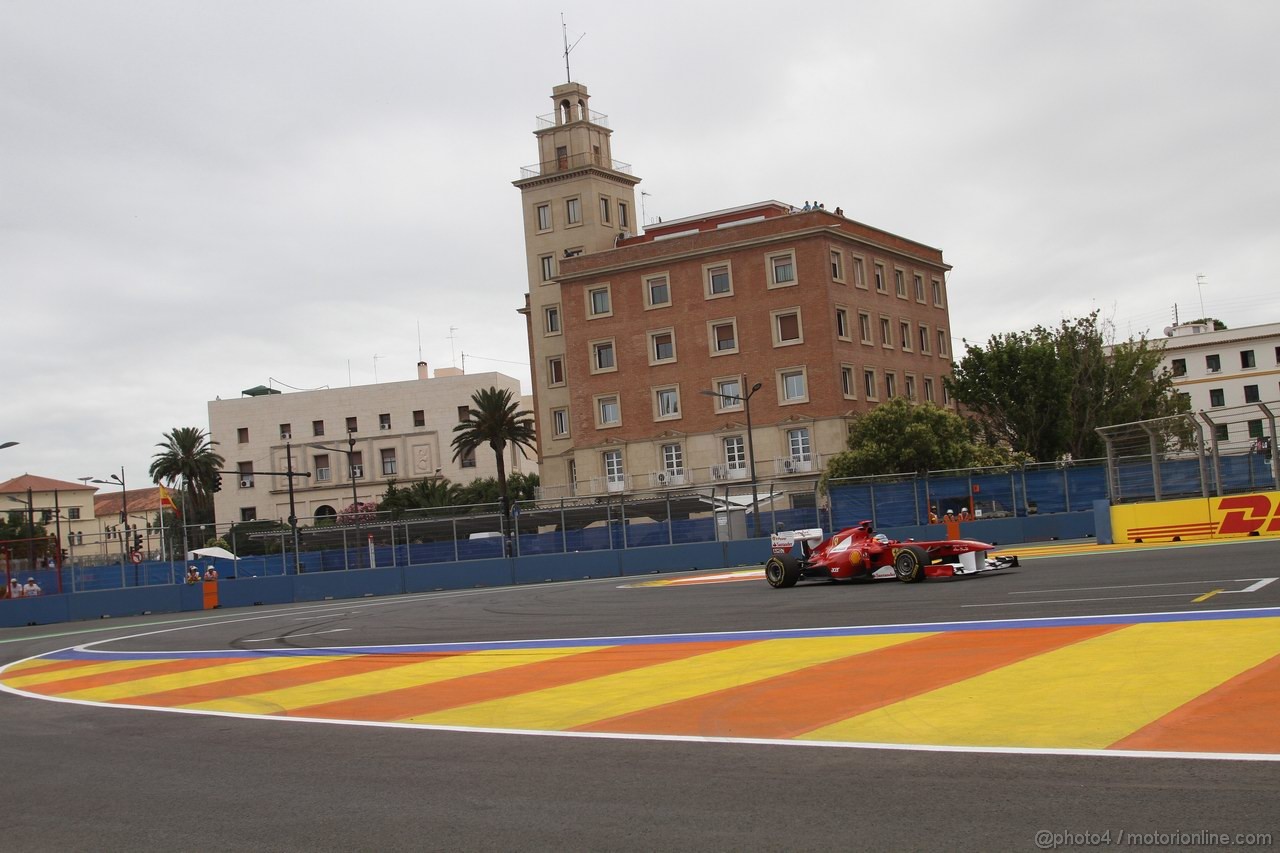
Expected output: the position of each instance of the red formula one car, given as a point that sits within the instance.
(859, 552)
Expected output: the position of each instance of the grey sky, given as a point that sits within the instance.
(196, 197)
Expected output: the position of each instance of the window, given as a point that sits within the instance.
(544, 217)
(724, 336)
(942, 342)
(317, 427)
(729, 395)
(384, 420)
(666, 403)
(919, 283)
(608, 412)
(928, 389)
(890, 384)
(786, 327)
(548, 267)
(662, 346)
(924, 339)
(286, 432)
(904, 332)
(798, 444)
(1221, 432)
(1277, 355)
(846, 381)
(1255, 428)
(673, 459)
(735, 454)
(782, 269)
(718, 279)
(880, 278)
(859, 273)
(624, 216)
(388, 455)
(248, 513)
(657, 291)
(909, 386)
(842, 324)
(864, 327)
(604, 210)
(886, 333)
(468, 459)
(571, 475)
(602, 356)
(869, 384)
(937, 292)
(791, 386)
(351, 425)
(1213, 363)
(357, 464)
(900, 283)
(559, 422)
(246, 474)
(321, 463)
(1251, 394)
(613, 466)
(837, 266)
(551, 320)
(1246, 359)
(562, 156)
(242, 435)
(555, 370)
(573, 211)
(598, 302)
(419, 418)
(1179, 367)
(1217, 397)
(464, 414)
(73, 513)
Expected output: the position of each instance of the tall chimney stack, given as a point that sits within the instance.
(423, 373)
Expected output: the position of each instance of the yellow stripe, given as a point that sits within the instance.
(1206, 596)
(621, 693)
(76, 672)
(1088, 695)
(159, 683)
(352, 686)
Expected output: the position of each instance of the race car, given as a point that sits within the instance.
(861, 553)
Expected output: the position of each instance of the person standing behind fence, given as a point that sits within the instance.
(31, 589)
(15, 588)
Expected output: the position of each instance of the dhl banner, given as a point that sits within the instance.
(1229, 517)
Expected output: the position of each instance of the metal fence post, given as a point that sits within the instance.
(1213, 452)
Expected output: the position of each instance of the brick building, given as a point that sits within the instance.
(642, 346)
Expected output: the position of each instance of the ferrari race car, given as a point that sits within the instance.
(859, 552)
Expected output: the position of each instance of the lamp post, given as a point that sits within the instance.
(118, 480)
(745, 400)
(355, 500)
(289, 474)
(7, 444)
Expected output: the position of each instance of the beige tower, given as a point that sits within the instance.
(577, 200)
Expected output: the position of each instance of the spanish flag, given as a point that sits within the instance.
(166, 502)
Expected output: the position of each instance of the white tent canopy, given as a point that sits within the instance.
(218, 553)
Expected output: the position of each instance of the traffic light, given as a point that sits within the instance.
(137, 541)
(217, 482)
(65, 555)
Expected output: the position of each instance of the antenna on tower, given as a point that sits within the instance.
(375, 367)
(419, 340)
(452, 360)
(1200, 287)
(568, 47)
(643, 218)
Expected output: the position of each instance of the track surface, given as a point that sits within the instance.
(105, 778)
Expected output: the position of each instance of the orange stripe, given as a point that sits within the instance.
(807, 699)
(119, 676)
(482, 687)
(1238, 715)
(247, 684)
(53, 666)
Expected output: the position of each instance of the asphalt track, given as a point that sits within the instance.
(1066, 738)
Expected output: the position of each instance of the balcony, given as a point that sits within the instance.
(549, 120)
(571, 162)
(667, 479)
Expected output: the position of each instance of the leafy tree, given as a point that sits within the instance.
(1044, 392)
(255, 538)
(1217, 324)
(14, 526)
(361, 513)
(495, 421)
(900, 436)
(485, 490)
(427, 493)
(187, 460)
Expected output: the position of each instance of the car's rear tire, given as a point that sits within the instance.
(782, 570)
(909, 563)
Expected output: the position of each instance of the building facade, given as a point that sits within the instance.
(646, 348)
(351, 441)
(1226, 374)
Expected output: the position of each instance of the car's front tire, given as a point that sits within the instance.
(909, 563)
(782, 570)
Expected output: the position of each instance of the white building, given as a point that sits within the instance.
(352, 441)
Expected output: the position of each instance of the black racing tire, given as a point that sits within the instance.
(782, 571)
(909, 563)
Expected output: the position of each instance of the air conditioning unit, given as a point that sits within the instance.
(1213, 369)
(719, 472)
(663, 478)
(286, 436)
(788, 466)
(357, 471)
(246, 484)
(384, 426)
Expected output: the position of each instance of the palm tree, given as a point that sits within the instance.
(494, 421)
(187, 457)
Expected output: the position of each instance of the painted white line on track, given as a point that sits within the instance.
(1144, 585)
(1078, 600)
(292, 636)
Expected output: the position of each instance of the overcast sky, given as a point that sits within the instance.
(200, 197)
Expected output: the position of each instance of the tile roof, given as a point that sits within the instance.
(41, 484)
(140, 500)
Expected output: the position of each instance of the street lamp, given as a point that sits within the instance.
(7, 444)
(118, 480)
(355, 500)
(745, 400)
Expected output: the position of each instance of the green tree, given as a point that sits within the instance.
(187, 460)
(431, 492)
(1044, 392)
(1217, 324)
(484, 490)
(495, 420)
(13, 525)
(904, 437)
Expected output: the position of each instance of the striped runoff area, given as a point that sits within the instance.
(1196, 684)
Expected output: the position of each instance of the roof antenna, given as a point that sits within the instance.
(375, 367)
(1200, 288)
(643, 196)
(452, 358)
(568, 47)
(419, 340)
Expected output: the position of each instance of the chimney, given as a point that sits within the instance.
(423, 373)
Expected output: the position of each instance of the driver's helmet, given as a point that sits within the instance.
(881, 538)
